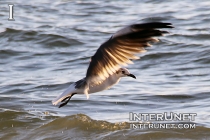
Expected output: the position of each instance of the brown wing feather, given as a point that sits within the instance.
(120, 48)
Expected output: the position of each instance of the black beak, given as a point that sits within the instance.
(131, 75)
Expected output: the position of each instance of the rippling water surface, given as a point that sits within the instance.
(49, 45)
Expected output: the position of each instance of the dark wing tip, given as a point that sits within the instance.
(152, 25)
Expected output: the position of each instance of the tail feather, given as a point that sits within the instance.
(78, 87)
(68, 92)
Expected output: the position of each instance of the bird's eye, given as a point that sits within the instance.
(123, 72)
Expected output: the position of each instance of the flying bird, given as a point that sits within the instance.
(106, 65)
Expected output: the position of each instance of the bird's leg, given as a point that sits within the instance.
(66, 101)
(63, 104)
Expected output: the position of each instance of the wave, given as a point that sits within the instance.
(23, 125)
(37, 37)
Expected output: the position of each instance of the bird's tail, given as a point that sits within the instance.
(68, 92)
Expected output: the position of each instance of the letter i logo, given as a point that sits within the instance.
(11, 12)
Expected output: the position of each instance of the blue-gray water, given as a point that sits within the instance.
(50, 43)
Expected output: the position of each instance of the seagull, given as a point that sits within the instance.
(106, 67)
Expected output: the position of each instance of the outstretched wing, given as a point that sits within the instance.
(121, 48)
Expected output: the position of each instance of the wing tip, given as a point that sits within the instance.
(152, 25)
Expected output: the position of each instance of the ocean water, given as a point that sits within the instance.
(50, 43)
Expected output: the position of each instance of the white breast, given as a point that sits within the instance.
(108, 83)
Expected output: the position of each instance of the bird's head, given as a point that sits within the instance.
(123, 72)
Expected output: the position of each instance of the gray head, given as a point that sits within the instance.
(123, 72)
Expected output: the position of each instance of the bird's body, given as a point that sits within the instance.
(106, 84)
(105, 69)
